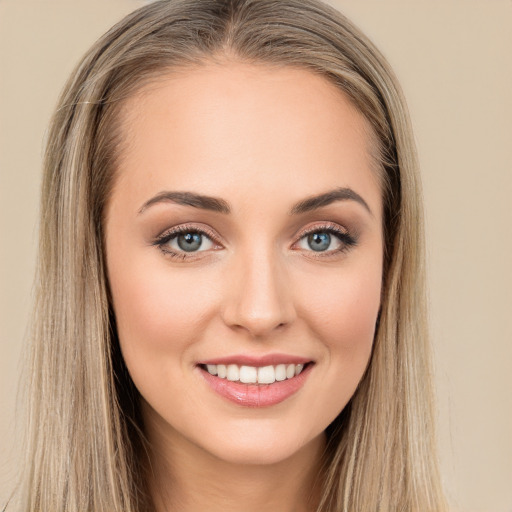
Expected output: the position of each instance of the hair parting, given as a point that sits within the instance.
(85, 447)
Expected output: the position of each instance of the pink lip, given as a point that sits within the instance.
(256, 395)
(266, 360)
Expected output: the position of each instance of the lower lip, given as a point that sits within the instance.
(256, 395)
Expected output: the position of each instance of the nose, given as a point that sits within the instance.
(257, 295)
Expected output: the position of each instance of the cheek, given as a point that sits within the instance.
(344, 304)
(342, 310)
(158, 314)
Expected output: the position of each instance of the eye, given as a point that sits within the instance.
(326, 239)
(183, 240)
(191, 241)
(318, 241)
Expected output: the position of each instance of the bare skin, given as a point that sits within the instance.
(269, 272)
(216, 485)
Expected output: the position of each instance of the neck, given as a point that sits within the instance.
(186, 478)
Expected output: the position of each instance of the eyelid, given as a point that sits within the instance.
(347, 239)
(175, 231)
(319, 226)
(190, 228)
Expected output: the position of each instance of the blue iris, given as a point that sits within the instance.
(319, 241)
(190, 241)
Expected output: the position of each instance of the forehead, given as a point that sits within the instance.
(235, 123)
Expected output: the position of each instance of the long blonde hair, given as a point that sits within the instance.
(85, 445)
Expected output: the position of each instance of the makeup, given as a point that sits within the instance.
(246, 303)
(288, 379)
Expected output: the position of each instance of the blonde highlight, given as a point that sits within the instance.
(90, 453)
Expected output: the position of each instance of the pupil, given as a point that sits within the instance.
(189, 241)
(319, 241)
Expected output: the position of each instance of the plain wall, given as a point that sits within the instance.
(453, 59)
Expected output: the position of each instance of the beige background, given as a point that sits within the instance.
(454, 61)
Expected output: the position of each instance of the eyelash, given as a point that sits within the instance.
(347, 240)
(162, 241)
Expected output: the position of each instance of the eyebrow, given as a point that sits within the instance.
(338, 194)
(189, 199)
(216, 204)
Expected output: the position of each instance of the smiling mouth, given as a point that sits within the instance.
(254, 374)
(256, 386)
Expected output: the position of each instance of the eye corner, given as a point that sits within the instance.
(331, 230)
(168, 242)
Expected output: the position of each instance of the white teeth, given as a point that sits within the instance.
(252, 374)
(232, 372)
(248, 374)
(221, 371)
(266, 375)
(212, 368)
(281, 372)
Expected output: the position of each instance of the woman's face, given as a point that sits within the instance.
(243, 238)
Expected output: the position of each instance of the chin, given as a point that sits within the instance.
(260, 445)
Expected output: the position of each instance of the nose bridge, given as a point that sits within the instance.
(259, 299)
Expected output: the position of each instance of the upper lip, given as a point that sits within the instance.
(257, 361)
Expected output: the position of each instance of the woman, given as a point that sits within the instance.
(231, 296)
